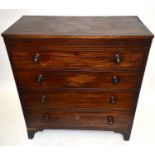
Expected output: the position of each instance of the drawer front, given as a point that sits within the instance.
(115, 58)
(79, 100)
(65, 119)
(78, 79)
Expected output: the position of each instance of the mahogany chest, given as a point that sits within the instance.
(78, 72)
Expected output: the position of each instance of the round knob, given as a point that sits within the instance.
(115, 79)
(112, 100)
(40, 78)
(43, 99)
(117, 58)
(46, 118)
(110, 120)
(36, 57)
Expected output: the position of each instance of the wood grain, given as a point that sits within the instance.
(69, 58)
(43, 26)
(79, 100)
(78, 79)
(67, 119)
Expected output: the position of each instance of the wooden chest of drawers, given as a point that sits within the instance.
(78, 72)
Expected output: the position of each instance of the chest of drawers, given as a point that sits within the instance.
(78, 72)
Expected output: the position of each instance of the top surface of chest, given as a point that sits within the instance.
(74, 26)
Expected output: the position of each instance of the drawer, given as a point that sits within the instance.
(75, 58)
(75, 119)
(78, 79)
(79, 100)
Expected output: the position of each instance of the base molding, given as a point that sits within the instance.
(31, 132)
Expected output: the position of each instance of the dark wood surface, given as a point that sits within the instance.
(79, 42)
(79, 79)
(77, 119)
(78, 72)
(94, 100)
(43, 26)
(78, 58)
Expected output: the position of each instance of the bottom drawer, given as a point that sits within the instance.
(48, 118)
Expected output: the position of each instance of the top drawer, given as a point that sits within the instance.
(77, 58)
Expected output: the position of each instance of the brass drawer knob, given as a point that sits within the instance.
(36, 57)
(40, 79)
(43, 98)
(115, 79)
(110, 120)
(45, 118)
(117, 58)
(112, 100)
